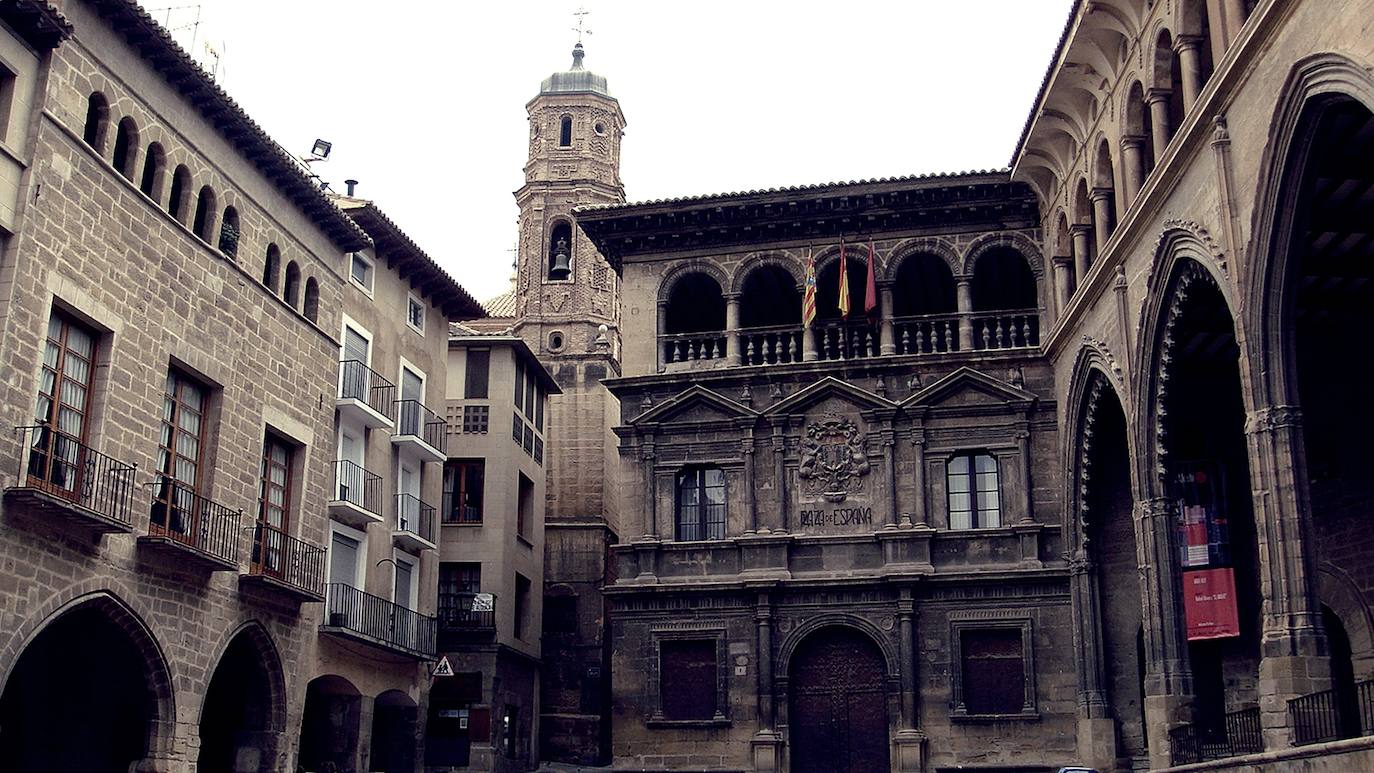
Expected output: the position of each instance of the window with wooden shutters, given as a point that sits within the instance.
(993, 672)
(687, 679)
(179, 453)
(64, 395)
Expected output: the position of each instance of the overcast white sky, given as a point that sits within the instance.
(425, 101)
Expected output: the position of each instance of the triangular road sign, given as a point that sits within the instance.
(443, 667)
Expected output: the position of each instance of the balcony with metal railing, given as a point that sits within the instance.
(1333, 715)
(194, 529)
(465, 616)
(282, 563)
(420, 432)
(354, 614)
(357, 495)
(413, 527)
(61, 477)
(452, 512)
(365, 396)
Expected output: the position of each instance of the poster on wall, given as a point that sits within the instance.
(1209, 603)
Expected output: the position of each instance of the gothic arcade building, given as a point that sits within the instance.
(1086, 487)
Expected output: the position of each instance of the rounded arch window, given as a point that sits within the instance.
(565, 131)
(560, 251)
(695, 305)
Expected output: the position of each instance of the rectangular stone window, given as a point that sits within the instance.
(415, 314)
(360, 271)
(688, 679)
(701, 503)
(975, 499)
(464, 487)
(180, 445)
(993, 671)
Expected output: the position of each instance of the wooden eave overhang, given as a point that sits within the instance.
(39, 23)
(403, 255)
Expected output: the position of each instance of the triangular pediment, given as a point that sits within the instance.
(696, 404)
(970, 388)
(826, 389)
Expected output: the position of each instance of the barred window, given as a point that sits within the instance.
(975, 500)
(701, 503)
(687, 678)
(476, 419)
(993, 671)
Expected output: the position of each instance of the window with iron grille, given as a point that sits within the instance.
(993, 671)
(687, 679)
(476, 419)
(517, 428)
(701, 503)
(975, 500)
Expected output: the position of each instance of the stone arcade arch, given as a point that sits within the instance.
(394, 731)
(838, 714)
(330, 724)
(121, 709)
(244, 712)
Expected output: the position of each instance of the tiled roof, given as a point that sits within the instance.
(928, 177)
(37, 21)
(163, 54)
(502, 305)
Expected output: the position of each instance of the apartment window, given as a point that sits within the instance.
(415, 314)
(560, 614)
(476, 374)
(522, 605)
(701, 503)
(687, 679)
(343, 559)
(519, 384)
(179, 453)
(525, 506)
(360, 270)
(274, 492)
(476, 419)
(975, 500)
(993, 672)
(64, 394)
(464, 481)
(460, 577)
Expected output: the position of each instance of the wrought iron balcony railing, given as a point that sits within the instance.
(413, 418)
(458, 513)
(1238, 733)
(379, 620)
(413, 516)
(1332, 715)
(182, 515)
(357, 486)
(359, 382)
(64, 468)
(287, 560)
(457, 615)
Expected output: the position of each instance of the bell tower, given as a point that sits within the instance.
(567, 308)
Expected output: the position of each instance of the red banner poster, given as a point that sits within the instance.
(1209, 603)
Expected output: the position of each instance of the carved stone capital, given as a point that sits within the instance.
(1267, 420)
(1132, 141)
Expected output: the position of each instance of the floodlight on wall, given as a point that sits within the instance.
(320, 150)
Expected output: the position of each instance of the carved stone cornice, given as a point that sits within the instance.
(1267, 420)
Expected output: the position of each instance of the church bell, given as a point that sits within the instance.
(562, 266)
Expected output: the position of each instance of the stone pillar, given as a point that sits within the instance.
(1158, 100)
(964, 295)
(1082, 251)
(750, 504)
(1233, 12)
(780, 474)
(659, 333)
(1096, 729)
(906, 631)
(1063, 284)
(1102, 217)
(918, 478)
(763, 619)
(1168, 672)
(1132, 167)
(887, 342)
(650, 493)
(1023, 469)
(732, 350)
(810, 352)
(889, 441)
(1188, 48)
(1293, 649)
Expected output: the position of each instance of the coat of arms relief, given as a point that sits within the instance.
(833, 460)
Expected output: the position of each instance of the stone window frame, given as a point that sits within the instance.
(413, 302)
(997, 620)
(1008, 456)
(688, 631)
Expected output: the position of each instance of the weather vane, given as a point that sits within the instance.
(581, 14)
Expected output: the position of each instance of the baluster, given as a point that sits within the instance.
(1025, 330)
(796, 344)
(1001, 338)
(904, 347)
(873, 343)
(985, 335)
(720, 348)
(668, 352)
(748, 350)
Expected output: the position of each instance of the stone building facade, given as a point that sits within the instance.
(163, 514)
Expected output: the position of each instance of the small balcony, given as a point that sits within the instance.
(353, 614)
(191, 528)
(420, 432)
(60, 477)
(457, 514)
(413, 528)
(1237, 733)
(365, 396)
(357, 495)
(459, 621)
(281, 563)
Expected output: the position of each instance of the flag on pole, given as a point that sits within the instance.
(809, 295)
(844, 284)
(871, 288)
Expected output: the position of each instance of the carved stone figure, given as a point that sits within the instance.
(832, 459)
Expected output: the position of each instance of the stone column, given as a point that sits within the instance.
(964, 296)
(887, 343)
(1158, 100)
(906, 630)
(1292, 645)
(780, 474)
(763, 619)
(658, 337)
(889, 441)
(750, 503)
(650, 493)
(1102, 217)
(1168, 672)
(1188, 48)
(1023, 468)
(918, 478)
(1082, 251)
(810, 352)
(1063, 286)
(1096, 729)
(1233, 12)
(1132, 167)
(732, 349)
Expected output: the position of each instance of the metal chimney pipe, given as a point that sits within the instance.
(351, 185)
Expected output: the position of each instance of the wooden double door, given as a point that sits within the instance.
(838, 704)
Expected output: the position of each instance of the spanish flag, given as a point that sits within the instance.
(809, 296)
(844, 283)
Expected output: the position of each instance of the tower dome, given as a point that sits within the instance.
(576, 79)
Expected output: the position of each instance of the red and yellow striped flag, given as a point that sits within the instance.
(809, 296)
(844, 284)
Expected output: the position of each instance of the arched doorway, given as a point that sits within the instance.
(84, 695)
(240, 718)
(394, 717)
(330, 724)
(838, 711)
